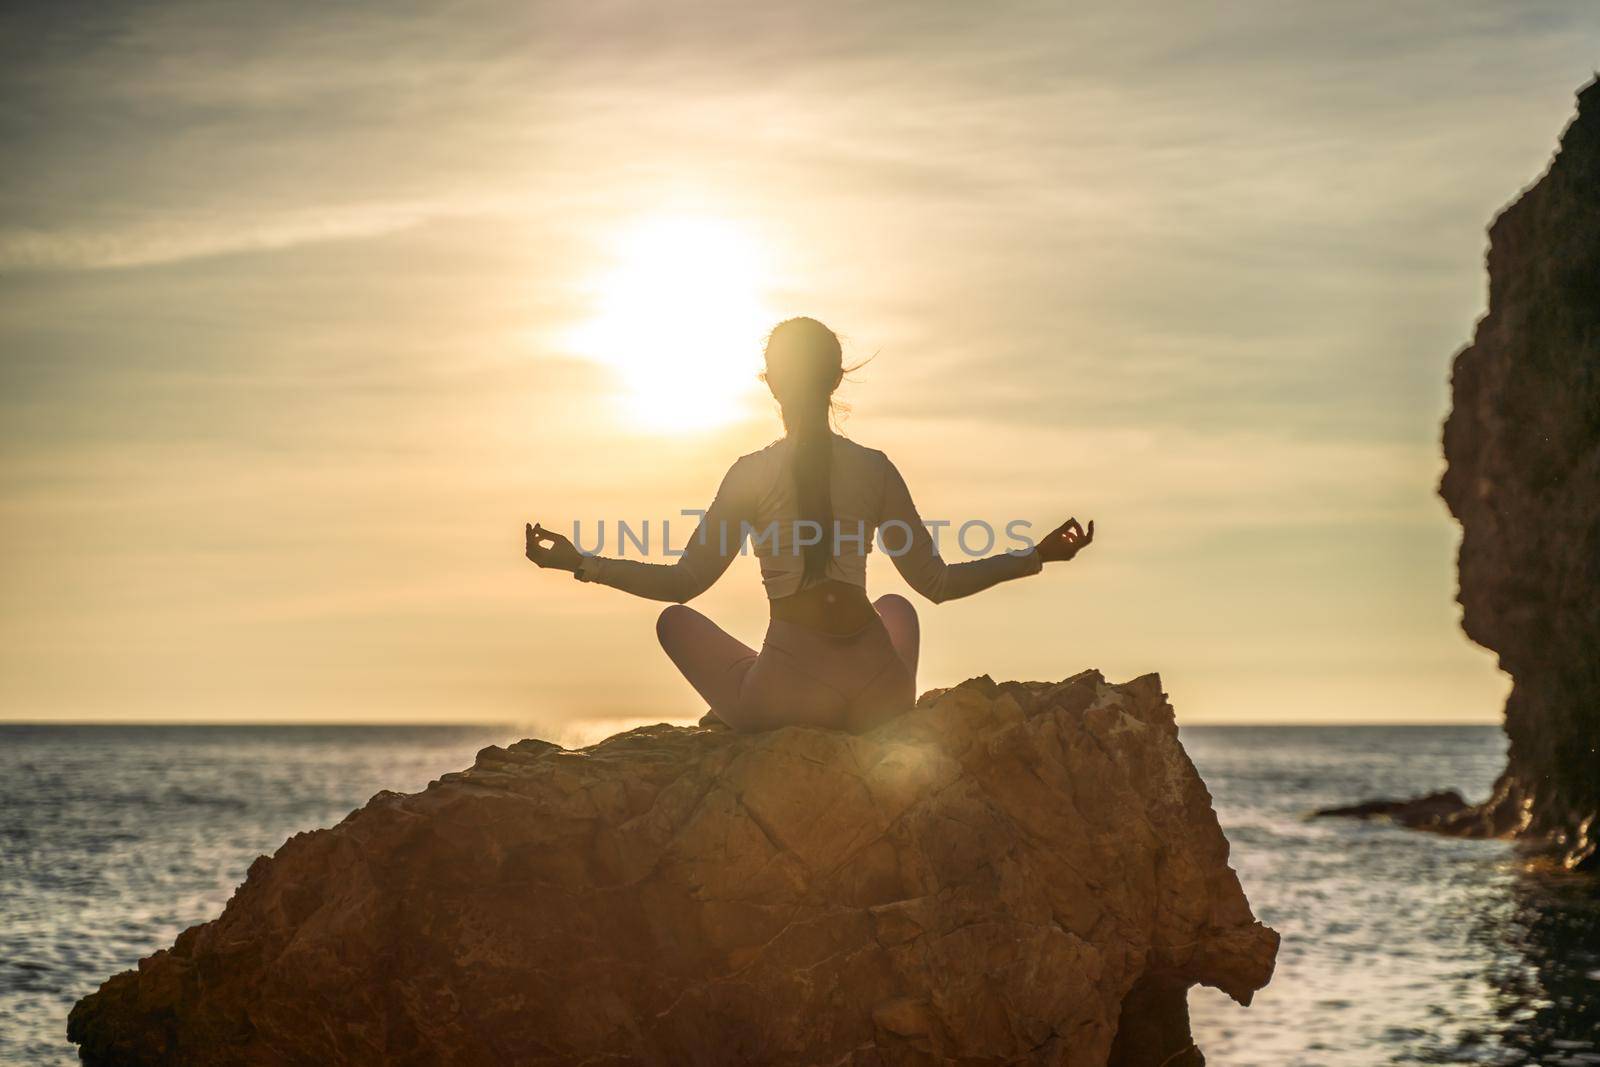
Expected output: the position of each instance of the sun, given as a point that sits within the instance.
(679, 313)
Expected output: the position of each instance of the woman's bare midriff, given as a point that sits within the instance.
(830, 606)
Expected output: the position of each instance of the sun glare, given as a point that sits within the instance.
(679, 314)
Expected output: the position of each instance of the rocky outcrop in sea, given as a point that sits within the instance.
(1012, 873)
(1523, 447)
(1522, 444)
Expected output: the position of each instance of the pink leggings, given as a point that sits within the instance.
(801, 676)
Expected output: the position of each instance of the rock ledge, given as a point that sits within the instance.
(1014, 873)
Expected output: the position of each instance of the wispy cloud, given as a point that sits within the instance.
(170, 239)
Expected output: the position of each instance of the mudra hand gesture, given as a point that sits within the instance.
(1066, 541)
(549, 549)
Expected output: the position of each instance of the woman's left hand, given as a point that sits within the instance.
(557, 553)
(1066, 541)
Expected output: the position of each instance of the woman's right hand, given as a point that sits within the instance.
(1065, 541)
(558, 553)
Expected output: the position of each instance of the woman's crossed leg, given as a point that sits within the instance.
(718, 664)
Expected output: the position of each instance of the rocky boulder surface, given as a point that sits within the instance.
(1012, 873)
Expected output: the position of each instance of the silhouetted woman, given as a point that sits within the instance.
(831, 657)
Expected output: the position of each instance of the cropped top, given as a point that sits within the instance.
(757, 502)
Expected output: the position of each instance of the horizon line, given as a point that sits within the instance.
(501, 724)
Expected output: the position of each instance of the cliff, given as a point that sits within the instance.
(1523, 447)
(1023, 872)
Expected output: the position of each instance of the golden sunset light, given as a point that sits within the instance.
(677, 316)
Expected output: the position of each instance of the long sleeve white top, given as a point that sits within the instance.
(757, 501)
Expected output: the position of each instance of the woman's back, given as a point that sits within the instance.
(778, 531)
(757, 501)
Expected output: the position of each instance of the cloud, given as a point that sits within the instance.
(169, 240)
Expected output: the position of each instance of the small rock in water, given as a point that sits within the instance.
(1417, 811)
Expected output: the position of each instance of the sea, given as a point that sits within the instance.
(1398, 947)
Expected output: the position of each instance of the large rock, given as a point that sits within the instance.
(1016, 873)
(1523, 447)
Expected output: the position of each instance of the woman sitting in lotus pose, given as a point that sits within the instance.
(831, 657)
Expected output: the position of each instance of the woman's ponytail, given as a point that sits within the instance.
(813, 483)
(804, 367)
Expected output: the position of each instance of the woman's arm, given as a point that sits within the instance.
(926, 572)
(705, 558)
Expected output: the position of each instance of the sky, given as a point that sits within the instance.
(306, 308)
